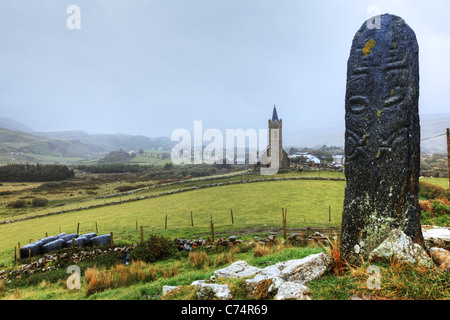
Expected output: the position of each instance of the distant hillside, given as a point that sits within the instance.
(19, 143)
(24, 147)
(14, 125)
(111, 142)
(431, 126)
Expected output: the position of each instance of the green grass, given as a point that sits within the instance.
(442, 182)
(254, 205)
(397, 282)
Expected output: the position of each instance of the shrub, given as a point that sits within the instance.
(440, 207)
(261, 250)
(125, 188)
(39, 202)
(155, 248)
(197, 258)
(431, 191)
(17, 204)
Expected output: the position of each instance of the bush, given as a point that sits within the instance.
(155, 248)
(39, 202)
(17, 204)
(440, 207)
(431, 191)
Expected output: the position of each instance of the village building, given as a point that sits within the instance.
(276, 123)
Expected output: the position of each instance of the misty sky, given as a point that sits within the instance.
(149, 67)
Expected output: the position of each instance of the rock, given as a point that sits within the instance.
(441, 257)
(307, 269)
(210, 291)
(399, 246)
(197, 282)
(232, 238)
(268, 281)
(263, 286)
(168, 289)
(382, 139)
(436, 236)
(238, 269)
(292, 291)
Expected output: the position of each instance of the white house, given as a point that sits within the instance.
(339, 160)
(309, 157)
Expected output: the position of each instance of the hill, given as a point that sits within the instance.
(19, 143)
(14, 125)
(17, 146)
(110, 142)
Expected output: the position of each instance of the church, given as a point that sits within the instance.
(276, 123)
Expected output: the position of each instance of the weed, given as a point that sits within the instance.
(198, 259)
(261, 250)
(334, 251)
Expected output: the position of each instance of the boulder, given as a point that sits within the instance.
(238, 269)
(168, 289)
(441, 257)
(400, 247)
(292, 291)
(210, 291)
(272, 278)
(306, 269)
(436, 236)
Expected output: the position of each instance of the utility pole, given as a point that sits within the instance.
(448, 156)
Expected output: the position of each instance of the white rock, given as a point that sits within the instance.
(400, 246)
(306, 269)
(167, 289)
(436, 232)
(292, 291)
(238, 269)
(209, 291)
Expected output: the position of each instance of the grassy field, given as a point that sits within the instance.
(256, 209)
(442, 182)
(254, 205)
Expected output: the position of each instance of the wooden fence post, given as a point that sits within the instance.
(192, 220)
(212, 229)
(232, 218)
(96, 227)
(142, 234)
(112, 240)
(165, 226)
(15, 255)
(78, 228)
(329, 213)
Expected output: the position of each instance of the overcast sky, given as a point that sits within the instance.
(149, 67)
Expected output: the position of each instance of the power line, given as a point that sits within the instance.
(434, 137)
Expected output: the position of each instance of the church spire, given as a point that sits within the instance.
(274, 115)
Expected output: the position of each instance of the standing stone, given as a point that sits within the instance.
(382, 138)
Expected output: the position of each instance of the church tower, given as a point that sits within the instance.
(276, 123)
